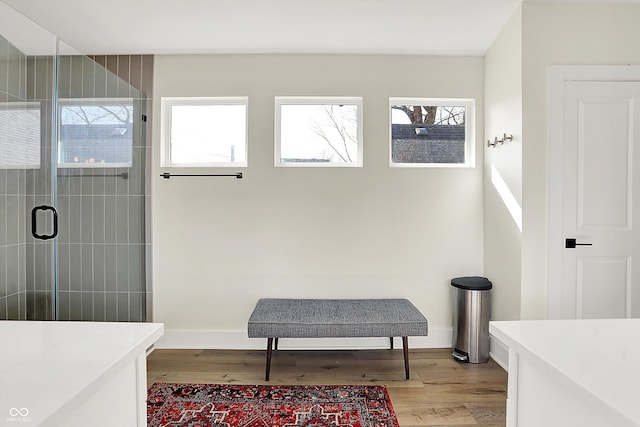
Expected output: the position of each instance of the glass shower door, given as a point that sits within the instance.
(99, 180)
(26, 103)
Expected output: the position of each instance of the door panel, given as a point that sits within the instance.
(604, 177)
(602, 285)
(599, 204)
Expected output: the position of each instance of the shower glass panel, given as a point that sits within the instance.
(100, 194)
(72, 174)
(39, 253)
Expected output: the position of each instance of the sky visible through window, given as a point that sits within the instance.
(319, 133)
(399, 117)
(96, 114)
(444, 115)
(208, 134)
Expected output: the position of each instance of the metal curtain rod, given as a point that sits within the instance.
(123, 175)
(168, 175)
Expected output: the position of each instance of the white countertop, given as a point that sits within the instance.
(45, 366)
(597, 357)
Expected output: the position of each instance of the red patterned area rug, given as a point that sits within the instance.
(204, 405)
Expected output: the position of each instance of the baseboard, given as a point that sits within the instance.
(238, 340)
(499, 352)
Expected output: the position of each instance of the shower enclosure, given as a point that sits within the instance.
(72, 189)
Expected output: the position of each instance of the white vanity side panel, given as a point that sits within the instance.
(543, 401)
(115, 404)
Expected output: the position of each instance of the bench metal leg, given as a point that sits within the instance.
(391, 341)
(269, 350)
(271, 345)
(405, 347)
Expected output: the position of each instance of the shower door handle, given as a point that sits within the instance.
(34, 222)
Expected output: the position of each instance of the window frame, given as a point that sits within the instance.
(318, 100)
(168, 102)
(469, 130)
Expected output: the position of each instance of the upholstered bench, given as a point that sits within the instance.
(335, 318)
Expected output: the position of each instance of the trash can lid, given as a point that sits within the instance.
(472, 283)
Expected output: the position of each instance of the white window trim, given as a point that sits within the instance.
(469, 130)
(165, 133)
(317, 100)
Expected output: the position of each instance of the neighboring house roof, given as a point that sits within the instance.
(103, 143)
(427, 143)
(428, 132)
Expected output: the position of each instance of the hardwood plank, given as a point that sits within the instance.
(427, 414)
(486, 413)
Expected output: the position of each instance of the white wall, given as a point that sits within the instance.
(503, 114)
(559, 34)
(222, 243)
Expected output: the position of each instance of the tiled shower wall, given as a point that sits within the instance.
(13, 66)
(103, 249)
(137, 70)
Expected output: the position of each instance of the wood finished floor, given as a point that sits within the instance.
(441, 391)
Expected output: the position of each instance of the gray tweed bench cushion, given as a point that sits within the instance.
(335, 318)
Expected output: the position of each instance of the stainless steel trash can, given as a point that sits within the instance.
(471, 313)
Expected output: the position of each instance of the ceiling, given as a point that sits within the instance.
(425, 27)
(452, 27)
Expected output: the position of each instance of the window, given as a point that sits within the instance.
(19, 135)
(96, 133)
(318, 131)
(204, 132)
(431, 132)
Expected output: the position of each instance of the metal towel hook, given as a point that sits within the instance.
(499, 141)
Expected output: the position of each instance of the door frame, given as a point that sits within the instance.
(558, 75)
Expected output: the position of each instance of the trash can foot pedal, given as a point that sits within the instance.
(460, 357)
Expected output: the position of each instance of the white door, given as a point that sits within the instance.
(599, 201)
